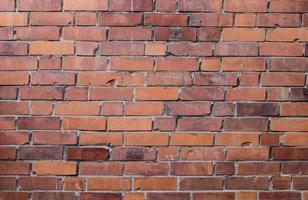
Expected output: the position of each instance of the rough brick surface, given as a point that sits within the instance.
(154, 99)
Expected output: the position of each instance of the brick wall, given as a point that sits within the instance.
(154, 99)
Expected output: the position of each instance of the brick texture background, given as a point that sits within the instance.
(153, 99)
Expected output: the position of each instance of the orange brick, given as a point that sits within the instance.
(129, 124)
(243, 34)
(155, 48)
(84, 123)
(13, 19)
(155, 183)
(182, 139)
(146, 139)
(109, 184)
(53, 48)
(54, 168)
(245, 20)
(157, 93)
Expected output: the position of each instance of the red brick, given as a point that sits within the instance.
(85, 18)
(146, 168)
(177, 64)
(40, 183)
(51, 18)
(169, 78)
(223, 109)
(7, 5)
(236, 49)
(84, 123)
(247, 6)
(14, 108)
(6, 33)
(131, 154)
(76, 93)
(192, 49)
(131, 5)
(175, 33)
(191, 168)
(162, 5)
(284, 6)
(13, 48)
(38, 33)
(49, 62)
(7, 153)
(297, 167)
(215, 79)
(108, 93)
(131, 64)
(14, 138)
(82, 5)
(237, 139)
(120, 19)
(200, 5)
(112, 108)
(257, 109)
(40, 153)
(14, 168)
(41, 108)
(109, 184)
(258, 168)
(202, 153)
(14, 78)
(212, 183)
(74, 183)
(7, 123)
(97, 138)
(246, 94)
(122, 48)
(87, 153)
(159, 19)
(247, 183)
(14, 195)
(54, 137)
(8, 183)
(199, 124)
(244, 64)
(86, 48)
(18, 63)
(290, 153)
(41, 93)
(84, 34)
(196, 108)
(211, 19)
(288, 64)
(282, 20)
(51, 78)
(88, 195)
(279, 195)
(224, 168)
(129, 33)
(202, 93)
(281, 49)
(42, 123)
(84, 63)
(164, 124)
(281, 182)
(41, 5)
(214, 195)
(247, 153)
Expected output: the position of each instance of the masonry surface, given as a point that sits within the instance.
(153, 100)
